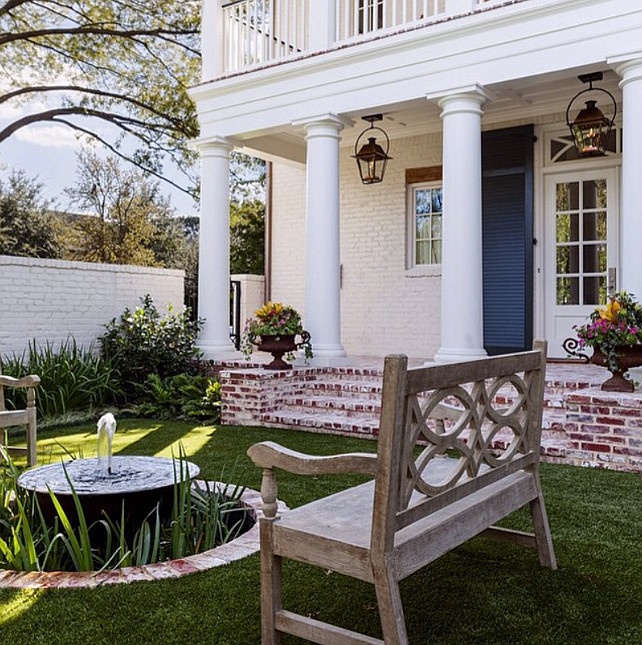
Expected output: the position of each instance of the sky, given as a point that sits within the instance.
(49, 151)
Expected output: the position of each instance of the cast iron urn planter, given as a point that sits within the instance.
(278, 345)
(628, 356)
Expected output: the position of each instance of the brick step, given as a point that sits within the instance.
(370, 385)
(328, 421)
(338, 402)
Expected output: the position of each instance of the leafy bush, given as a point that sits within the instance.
(71, 378)
(182, 396)
(142, 342)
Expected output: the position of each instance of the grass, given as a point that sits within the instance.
(482, 592)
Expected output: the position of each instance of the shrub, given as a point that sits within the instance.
(190, 396)
(71, 378)
(142, 342)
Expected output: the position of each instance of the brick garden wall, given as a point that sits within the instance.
(50, 300)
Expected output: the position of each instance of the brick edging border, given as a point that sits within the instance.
(242, 546)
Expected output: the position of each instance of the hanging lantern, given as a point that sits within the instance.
(590, 129)
(371, 157)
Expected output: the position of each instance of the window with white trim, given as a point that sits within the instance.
(425, 212)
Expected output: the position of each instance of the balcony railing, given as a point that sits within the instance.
(256, 32)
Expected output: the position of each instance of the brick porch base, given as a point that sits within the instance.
(582, 425)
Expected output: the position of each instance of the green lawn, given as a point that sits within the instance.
(482, 592)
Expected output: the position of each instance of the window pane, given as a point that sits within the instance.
(568, 196)
(568, 291)
(594, 258)
(567, 228)
(594, 225)
(595, 290)
(568, 259)
(437, 200)
(422, 201)
(422, 231)
(436, 227)
(436, 252)
(422, 250)
(594, 193)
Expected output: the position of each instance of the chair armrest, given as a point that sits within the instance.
(271, 455)
(26, 381)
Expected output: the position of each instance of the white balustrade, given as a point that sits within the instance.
(257, 32)
(261, 31)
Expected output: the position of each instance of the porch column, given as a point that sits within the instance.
(322, 262)
(212, 39)
(462, 331)
(214, 251)
(631, 196)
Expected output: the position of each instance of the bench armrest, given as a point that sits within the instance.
(271, 455)
(26, 381)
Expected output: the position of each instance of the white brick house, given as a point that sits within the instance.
(529, 236)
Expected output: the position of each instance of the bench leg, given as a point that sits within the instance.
(542, 532)
(270, 587)
(390, 608)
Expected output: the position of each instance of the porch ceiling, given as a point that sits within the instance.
(520, 99)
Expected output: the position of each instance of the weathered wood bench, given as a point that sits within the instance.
(26, 417)
(421, 502)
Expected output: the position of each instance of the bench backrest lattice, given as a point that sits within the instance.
(438, 481)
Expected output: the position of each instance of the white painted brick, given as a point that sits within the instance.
(383, 308)
(50, 300)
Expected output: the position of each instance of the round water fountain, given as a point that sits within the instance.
(140, 482)
(108, 484)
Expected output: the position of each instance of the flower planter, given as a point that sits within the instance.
(627, 357)
(277, 346)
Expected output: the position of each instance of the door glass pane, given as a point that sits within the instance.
(594, 290)
(568, 259)
(595, 258)
(568, 290)
(568, 196)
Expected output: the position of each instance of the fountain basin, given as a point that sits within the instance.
(139, 482)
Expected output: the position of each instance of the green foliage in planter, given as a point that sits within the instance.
(143, 342)
(201, 519)
(71, 378)
(187, 396)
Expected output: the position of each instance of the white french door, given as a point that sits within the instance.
(581, 257)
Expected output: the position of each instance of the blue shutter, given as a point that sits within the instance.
(507, 229)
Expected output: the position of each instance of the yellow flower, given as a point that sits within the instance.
(610, 311)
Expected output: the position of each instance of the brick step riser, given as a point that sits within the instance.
(553, 445)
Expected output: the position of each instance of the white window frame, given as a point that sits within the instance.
(411, 261)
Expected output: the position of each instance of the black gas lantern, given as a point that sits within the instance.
(590, 128)
(371, 157)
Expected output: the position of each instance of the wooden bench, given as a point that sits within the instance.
(26, 417)
(421, 502)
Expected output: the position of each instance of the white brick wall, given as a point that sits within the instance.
(385, 308)
(50, 300)
(252, 294)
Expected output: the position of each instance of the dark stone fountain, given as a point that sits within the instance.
(140, 482)
(108, 484)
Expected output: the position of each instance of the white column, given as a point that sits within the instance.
(322, 261)
(631, 195)
(212, 39)
(323, 16)
(462, 332)
(214, 251)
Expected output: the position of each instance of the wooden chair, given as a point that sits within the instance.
(26, 417)
(417, 507)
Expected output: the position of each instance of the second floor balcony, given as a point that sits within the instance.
(240, 35)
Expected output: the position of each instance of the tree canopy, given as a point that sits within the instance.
(27, 227)
(115, 71)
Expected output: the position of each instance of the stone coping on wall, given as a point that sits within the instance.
(242, 546)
